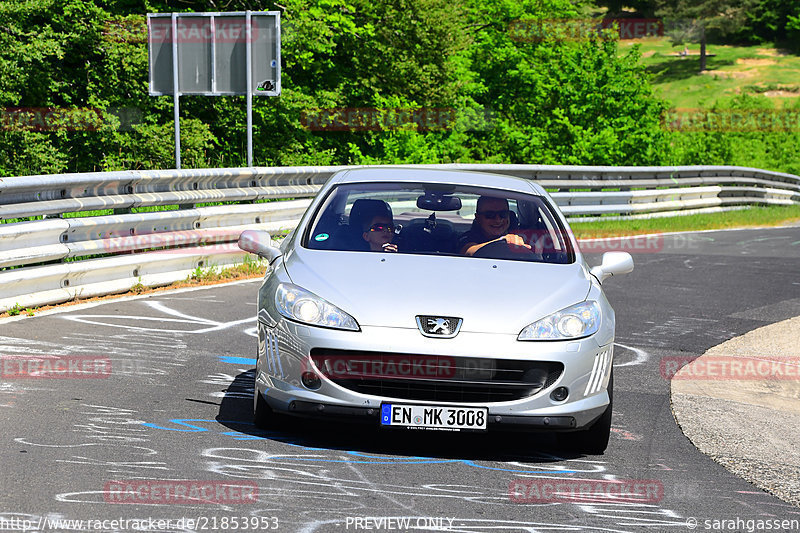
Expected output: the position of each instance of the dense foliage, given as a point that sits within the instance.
(740, 21)
(509, 92)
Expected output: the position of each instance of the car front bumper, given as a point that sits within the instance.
(285, 349)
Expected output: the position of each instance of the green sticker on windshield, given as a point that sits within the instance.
(321, 237)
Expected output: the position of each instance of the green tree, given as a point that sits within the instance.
(554, 97)
(75, 57)
(698, 20)
(775, 21)
(561, 98)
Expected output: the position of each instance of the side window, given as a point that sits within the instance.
(328, 228)
(541, 230)
(553, 236)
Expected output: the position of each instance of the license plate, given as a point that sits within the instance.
(434, 417)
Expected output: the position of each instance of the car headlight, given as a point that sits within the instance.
(296, 303)
(574, 322)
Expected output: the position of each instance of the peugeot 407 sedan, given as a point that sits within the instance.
(436, 300)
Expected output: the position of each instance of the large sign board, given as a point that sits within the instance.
(212, 53)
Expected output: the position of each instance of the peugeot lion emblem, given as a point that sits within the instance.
(442, 327)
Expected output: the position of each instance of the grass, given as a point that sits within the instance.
(750, 217)
(17, 309)
(137, 287)
(248, 268)
(732, 70)
(204, 274)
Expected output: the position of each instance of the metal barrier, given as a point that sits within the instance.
(61, 258)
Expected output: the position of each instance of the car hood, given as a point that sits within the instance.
(390, 290)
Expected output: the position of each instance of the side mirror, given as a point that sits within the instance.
(613, 264)
(259, 243)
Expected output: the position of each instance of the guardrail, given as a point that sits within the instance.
(66, 256)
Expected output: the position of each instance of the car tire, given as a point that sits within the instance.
(263, 415)
(594, 440)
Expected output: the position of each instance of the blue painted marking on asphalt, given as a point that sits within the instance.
(194, 429)
(390, 462)
(182, 422)
(238, 435)
(237, 360)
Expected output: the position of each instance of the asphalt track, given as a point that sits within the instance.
(177, 405)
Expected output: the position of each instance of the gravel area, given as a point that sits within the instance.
(751, 425)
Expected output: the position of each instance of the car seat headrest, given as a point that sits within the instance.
(364, 210)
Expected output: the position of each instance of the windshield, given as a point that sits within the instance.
(439, 219)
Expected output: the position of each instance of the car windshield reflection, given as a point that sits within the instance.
(452, 220)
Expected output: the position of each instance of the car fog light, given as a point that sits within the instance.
(311, 380)
(560, 394)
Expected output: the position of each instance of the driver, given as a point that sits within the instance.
(491, 224)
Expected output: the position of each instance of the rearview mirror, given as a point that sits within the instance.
(439, 202)
(613, 264)
(259, 243)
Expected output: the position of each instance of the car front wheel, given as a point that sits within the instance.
(595, 439)
(263, 416)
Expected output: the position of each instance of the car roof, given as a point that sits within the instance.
(430, 175)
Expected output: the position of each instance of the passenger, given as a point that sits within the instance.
(379, 233)
(491, 224)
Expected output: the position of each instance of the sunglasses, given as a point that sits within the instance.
(503, 213)
(382, 227)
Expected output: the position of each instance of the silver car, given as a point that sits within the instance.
(439, 300)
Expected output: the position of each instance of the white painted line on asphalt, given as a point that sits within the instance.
(641, 356)
(89, 305)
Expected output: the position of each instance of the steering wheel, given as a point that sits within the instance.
(503, 250)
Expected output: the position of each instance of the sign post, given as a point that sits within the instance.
(214, 54)
(176, 92)
(249, 68)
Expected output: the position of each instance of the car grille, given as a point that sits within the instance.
(436, 377)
